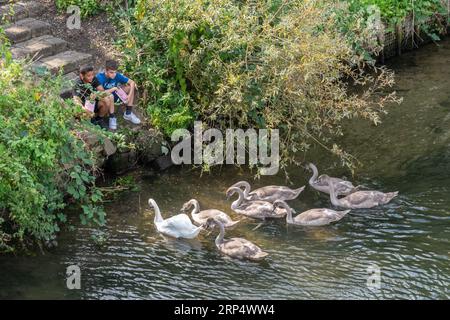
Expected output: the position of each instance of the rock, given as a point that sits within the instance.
(42, 47)
(102, 148)
(68, 61)
(163, 162)
(121, 162)
(26, 29)
(148, 144)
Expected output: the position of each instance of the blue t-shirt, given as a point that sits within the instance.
(110, 83)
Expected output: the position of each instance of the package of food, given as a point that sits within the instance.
(89, 106)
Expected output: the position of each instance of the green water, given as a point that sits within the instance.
(407, 239)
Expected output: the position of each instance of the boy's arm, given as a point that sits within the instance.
(124, 79)
(131, 83)
(100, 88)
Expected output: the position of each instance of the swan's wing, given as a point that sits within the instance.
(359, 197)
(271, 191)
(256, 208)
(337, 182)
(210, 213)
(310, 216)
(260, 205)
(180, 223)
(240, 247)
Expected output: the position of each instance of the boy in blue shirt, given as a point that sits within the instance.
(110, 80)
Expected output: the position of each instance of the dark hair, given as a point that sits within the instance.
(86, 69)
(111, 65)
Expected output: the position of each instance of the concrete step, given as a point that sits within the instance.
(26, 29)
(20, 10)
(68, 61)
(39, 47)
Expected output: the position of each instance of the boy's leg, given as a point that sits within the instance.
(101, 110)
(109, 109)
(130, 90)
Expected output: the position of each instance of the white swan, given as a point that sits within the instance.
(200, 217)
(179, 226)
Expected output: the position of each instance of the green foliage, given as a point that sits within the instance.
(395, 11)
(250, 64)
(427, 16)
(42, 158)
(87, 7)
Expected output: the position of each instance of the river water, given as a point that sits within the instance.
(407, 241)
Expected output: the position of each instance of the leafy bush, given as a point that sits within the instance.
(87, 7)
(250, 64)
(41, 158)
(393, 12)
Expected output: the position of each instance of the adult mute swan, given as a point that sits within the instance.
(268, 193)
(179, 226)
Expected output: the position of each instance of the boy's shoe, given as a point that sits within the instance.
(131, 117)
(113, 123)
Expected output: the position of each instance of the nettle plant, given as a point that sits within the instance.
(42, 160)
(252, 64)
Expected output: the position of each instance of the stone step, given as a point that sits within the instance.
(68, 61)
(26, 29)
(39, 47)
(20, 10)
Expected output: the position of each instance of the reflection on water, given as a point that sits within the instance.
(408, 238)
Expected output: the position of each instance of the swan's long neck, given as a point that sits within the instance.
(334, 200)
(313, 179)
(247, 188)
(158, 216)
(289, 216)
(219, 238)
(239, 200)
(196, 208)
